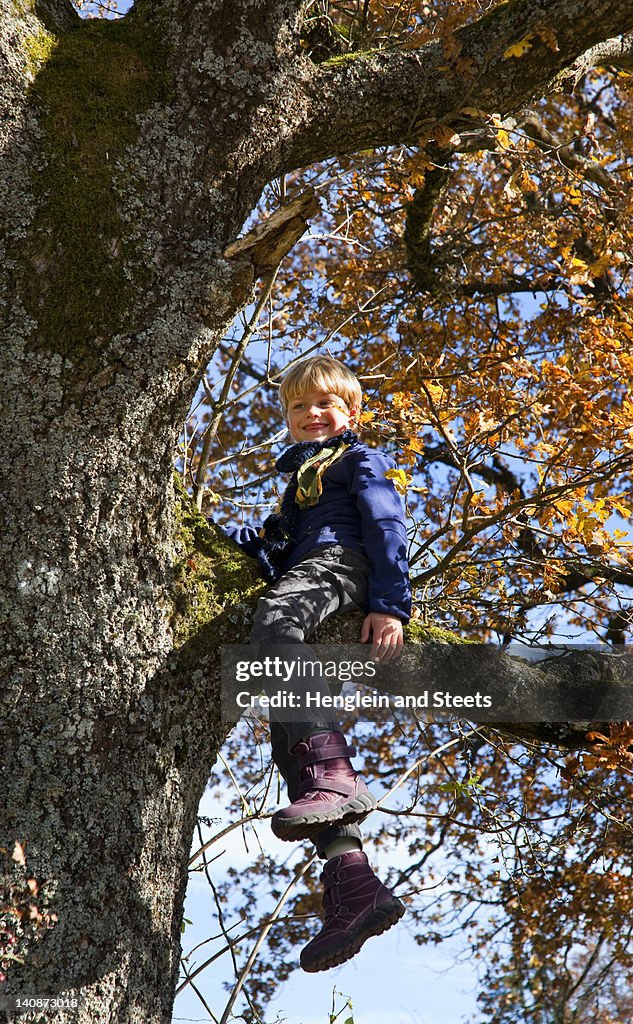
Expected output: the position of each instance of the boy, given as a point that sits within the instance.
(338, 543)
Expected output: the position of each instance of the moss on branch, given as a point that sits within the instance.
(342, 60)
(39, 49)
(215, 585)
(91, 86)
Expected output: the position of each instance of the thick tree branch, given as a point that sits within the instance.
(387, 97)
(271, 239)
(407, 92)
(417, 235)
(276, 21)
(594, 678)
(559, 699)
(291, 112)
(612, 53)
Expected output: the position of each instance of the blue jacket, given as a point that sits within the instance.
(359, 509)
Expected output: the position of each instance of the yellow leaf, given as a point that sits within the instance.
(601, 264)
(564, 507)
(518, 49)
(436, 392)
(503, 139)
(619, 507)
(527, 183)
(519, 183)
(401, 480)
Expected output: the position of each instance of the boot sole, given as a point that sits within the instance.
(308, 825)
(379, 921)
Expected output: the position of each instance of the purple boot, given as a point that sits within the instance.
(356, 906)
(330, 791)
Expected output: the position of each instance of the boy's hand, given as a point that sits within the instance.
(386, 636)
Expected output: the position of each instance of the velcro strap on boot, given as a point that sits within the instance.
(346, 787)
(325, 754)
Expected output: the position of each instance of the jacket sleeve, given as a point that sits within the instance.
(246, 537)
(384, 534)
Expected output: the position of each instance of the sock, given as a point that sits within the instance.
(340, 846)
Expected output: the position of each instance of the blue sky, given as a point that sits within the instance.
(391, 981)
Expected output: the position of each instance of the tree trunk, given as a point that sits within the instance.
(110, 310)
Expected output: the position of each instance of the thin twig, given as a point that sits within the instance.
(270, 921)
(220, 405)
(416, 764)
(257, 816)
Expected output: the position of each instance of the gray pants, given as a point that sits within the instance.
(328, 580)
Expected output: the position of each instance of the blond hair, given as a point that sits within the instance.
(320, 373)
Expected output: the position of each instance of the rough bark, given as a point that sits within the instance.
(132, 154)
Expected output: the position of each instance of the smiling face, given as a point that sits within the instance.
(317, 416)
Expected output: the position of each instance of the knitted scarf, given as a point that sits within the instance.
(307, 460)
